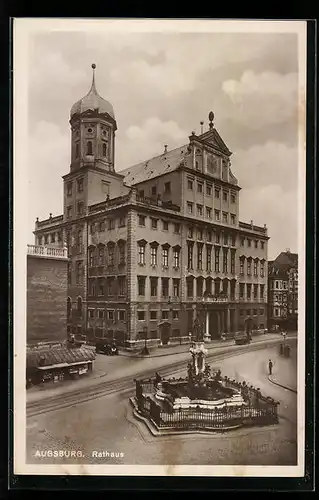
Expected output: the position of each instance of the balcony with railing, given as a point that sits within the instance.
(158, 202)
(47, 252)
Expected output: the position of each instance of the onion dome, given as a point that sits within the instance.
(92, 101)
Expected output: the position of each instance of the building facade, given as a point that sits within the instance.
(46, 294)
(283, 291)
(155, 245)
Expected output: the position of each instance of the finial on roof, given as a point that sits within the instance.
(201, 127)
(211, 117)
(165, 148)
(93, 76)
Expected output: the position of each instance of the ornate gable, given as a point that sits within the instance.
(212, 138)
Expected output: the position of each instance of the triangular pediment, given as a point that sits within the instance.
(212, 138)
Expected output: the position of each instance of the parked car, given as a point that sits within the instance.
(106, 348)
(242, 338)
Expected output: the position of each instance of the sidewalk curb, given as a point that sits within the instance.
(281, 385)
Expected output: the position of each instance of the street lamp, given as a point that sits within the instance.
(145, 349)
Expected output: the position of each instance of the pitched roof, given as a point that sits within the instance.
(287, 259)
(59, 355)
(154, 167)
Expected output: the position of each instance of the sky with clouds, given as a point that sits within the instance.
(161, 86)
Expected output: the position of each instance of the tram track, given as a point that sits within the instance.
(124, 384)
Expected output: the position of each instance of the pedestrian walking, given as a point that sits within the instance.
(270, 365)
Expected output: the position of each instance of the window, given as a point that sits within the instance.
(165, 225)
(79, 272)
(190, 232)
(217, 238)
(101, 227)
(225, 217)
(69, 188)
(225, 260)
(216, 260)
(217, 193)
(255, 291)
(209, 236)
(92, 288)
(121, 286)
(190, 256)
(104, 149)
(232, 262)
(249, 267)
(121, 315)
(232, 218)
(153, 315)
(190, 184)
(175, 314)
(233, 198)
(241, 290)
(141, 315)
(52, 237)
(141, 254)
(91, 313)
(208, 258)
(154, 287)
(154, 255)
(77, 150)
(262, 291)
(89, 148)
(256, 268)
(141, 193)
(256, 243)
(121, 253)
(208, 190)
(276, 312)
(248, 312)
(200, 257)
(164, 314)
(225, 196)
(80, 185)
(141, 220)
(59, 237)
(110, 286)
(176, 257)
(122, 222)
(177, 228)
(248, 291)
(111, 255)
(154, 223)
(165, 257)
(254, 312)
(262, 244)
(141, 285)
(165, 284)
(276, 285)
(111, 224)
(249, 242)
(225, 239)
(69, 212)
(261, 312)
(167, 187)
(199, 210)
(79, 241)
(242, 242)
(199, 187)
(199, 234)
(176, 287)
(197, 165)
(153, 191)
(208, 212)
(217, 215)
(189, 207)
(100, 313)
(101, 256)
(190, 287)
(80, 207)
(242, 263)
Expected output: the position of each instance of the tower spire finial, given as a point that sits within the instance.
(93, 76)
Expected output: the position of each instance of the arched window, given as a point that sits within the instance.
(79, 307)
(104, 149)
(69, 307)
(89, 148)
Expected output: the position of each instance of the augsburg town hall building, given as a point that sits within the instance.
(152, 246)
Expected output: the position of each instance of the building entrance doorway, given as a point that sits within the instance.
(165, 333)
(214, 324)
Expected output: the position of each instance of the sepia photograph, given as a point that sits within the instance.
(159, 247)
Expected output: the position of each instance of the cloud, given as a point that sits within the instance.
(146, 141)
(257, 100)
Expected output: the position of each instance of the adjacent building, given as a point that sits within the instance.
(283, 291)
(154, 245)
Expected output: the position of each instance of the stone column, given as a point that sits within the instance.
(228, 320)
(207, 336)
